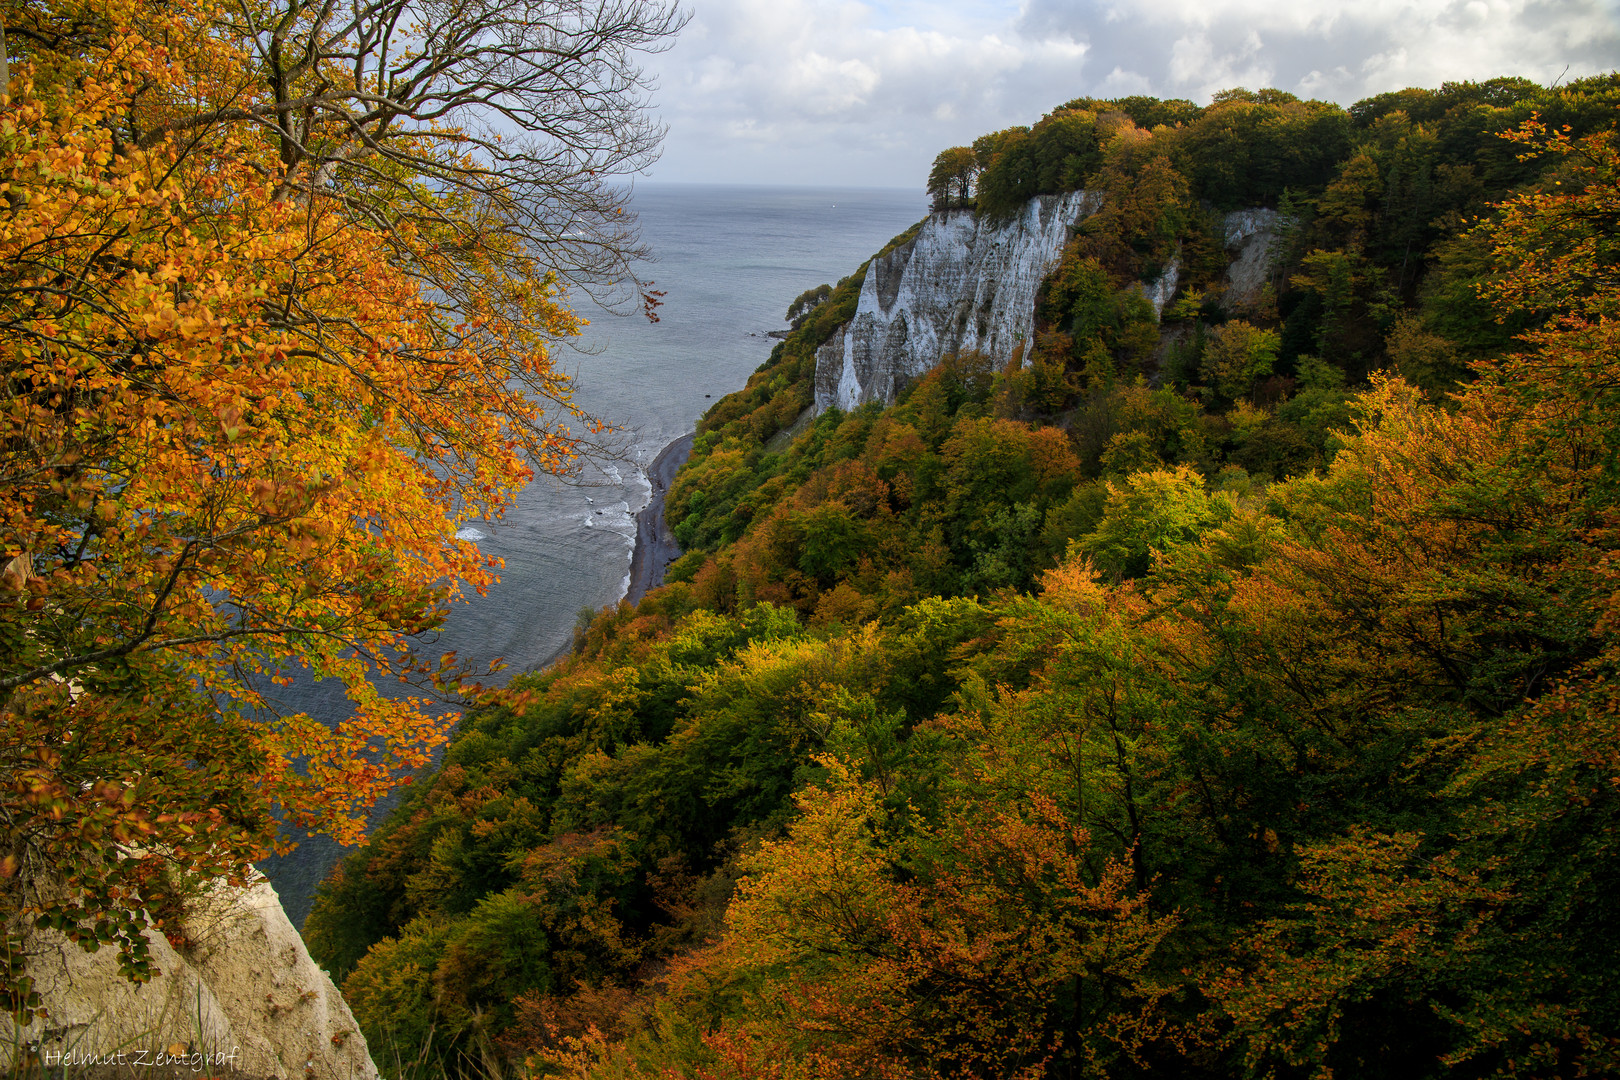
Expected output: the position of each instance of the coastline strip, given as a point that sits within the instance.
(655, 544)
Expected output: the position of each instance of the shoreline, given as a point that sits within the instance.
(655, 546)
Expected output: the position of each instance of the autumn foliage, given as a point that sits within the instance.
(1256, 721)
(248, 395)
(1153, 733)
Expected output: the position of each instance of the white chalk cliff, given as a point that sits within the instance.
(963, 283)
(242, 997)
(1250, 235)
(966, 283)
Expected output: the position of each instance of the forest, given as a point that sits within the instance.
(1226, 696)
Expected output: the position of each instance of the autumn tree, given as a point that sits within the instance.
(1457, 565)
(806, 302)
(275, 318)
(950, 181)
(1006, 948)
(1148, 514)
(1238, 354)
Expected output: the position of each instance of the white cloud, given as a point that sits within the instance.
(1195, 63)
(859, 92)
(843, 94)
(1336, 50)
(1122, 83)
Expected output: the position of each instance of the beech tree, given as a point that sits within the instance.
(279, 286)
(1009, 949)
(950, 181)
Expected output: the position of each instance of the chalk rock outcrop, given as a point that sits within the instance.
(1250, 237)
(241, 997)
(963, 283)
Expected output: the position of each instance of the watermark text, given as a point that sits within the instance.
(195, 1060)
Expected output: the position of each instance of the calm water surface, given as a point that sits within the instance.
(729, 260)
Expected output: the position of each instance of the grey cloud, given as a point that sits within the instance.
(776, 91)
(806, 91)
(1345, 52)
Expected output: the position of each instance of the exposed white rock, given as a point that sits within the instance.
(1250, 235)
(243, 985)
(1163, 289)
(961, 284)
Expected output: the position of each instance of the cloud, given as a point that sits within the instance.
(1200, 60)
(847, 93)
(851, 92)
(1333, 50)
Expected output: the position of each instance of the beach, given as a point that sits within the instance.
(655, 544)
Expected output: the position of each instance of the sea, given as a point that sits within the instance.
(728, 260)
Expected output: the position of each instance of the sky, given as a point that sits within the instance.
(865, 94)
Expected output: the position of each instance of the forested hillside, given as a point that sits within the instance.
(1226, 696)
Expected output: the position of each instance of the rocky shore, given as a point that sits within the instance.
(655, 544)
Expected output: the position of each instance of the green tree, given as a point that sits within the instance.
(1008, 173)
(806, 302)
(1151, 513)
(1237, 355)
(833, 541)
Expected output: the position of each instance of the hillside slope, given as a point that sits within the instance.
(1220, 694)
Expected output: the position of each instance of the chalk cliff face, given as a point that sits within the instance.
(1250, 236)
(962, 284)
(241, 997)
